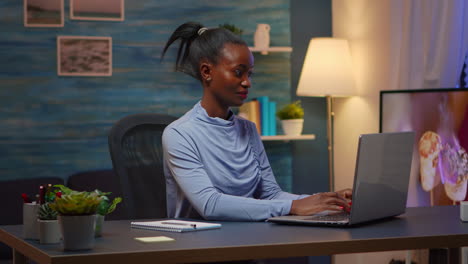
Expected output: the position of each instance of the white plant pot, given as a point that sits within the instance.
(99, 225)
(49, 231)
(292, 127)
(77, 231)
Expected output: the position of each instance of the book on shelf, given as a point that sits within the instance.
(251, 111)
(257, 116)
(172, 225)
(264, 109)
(261, 111)
(272, 118)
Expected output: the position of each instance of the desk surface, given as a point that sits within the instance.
(422, 227)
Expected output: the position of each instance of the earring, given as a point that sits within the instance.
(208, 79)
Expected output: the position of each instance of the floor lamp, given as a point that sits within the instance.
(327, 72)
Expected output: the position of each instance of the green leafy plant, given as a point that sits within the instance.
(232, 28)
(46, 213)
(106, 207)
(71, 202)
(293, 110)
(77, 203)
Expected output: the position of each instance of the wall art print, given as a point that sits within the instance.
(84, 56)
(102, 10)
(43, 13)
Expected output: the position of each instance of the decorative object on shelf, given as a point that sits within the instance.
(43, 13)
(327, 71)
(77, 217)
(49, 228)
(292, 118)
(110, 10)
(84, 56)
(262, 36)
(104, 208)
(232, 28)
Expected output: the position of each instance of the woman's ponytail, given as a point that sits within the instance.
(197, 43)
(186, 32)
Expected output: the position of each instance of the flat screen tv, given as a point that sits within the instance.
(439, 117)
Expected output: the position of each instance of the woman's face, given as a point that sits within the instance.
(230, 78)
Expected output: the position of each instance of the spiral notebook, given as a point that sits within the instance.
(175, 225)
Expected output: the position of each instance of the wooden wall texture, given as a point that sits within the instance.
(55, 125)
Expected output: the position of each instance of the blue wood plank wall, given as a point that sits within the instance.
(54, 125)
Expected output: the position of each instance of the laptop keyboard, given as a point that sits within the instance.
(342, 216)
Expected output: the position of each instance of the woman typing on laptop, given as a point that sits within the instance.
(215, 165)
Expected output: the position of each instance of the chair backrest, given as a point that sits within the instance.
(10, 191)
(135, 146)
(103, 180)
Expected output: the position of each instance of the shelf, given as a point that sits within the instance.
(287, 138)
(270, 49)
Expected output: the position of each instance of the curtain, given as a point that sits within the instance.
(430, 40)
(395, 44)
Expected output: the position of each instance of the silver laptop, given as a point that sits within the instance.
(381, 179)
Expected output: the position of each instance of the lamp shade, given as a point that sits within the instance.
(327, 69)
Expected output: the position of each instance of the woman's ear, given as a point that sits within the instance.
(205, 71)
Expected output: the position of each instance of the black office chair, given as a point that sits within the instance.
(103, 180)
(135, 146)
(12, 207)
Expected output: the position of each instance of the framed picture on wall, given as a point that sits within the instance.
(104, 10)
(84, 56)
(43, 13)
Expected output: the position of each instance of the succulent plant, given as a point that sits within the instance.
(293, 110)
(46, 213)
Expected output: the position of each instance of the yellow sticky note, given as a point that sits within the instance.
(154, 239)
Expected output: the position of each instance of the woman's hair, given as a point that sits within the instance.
(197, 43)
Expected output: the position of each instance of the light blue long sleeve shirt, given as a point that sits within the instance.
(217, 169)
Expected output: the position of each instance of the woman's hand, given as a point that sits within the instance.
(346, 193)
(332, 201)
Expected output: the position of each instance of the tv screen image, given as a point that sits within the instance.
(439, 118)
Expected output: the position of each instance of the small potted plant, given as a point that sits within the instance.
(77, 217)
(292, 118)
(104, 208)
(232, 28)
(49, 229)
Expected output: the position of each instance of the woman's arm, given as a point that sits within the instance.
(301, 204)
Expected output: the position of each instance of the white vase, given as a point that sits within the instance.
(99, 225)
(30, 228)
(77, 231)
(49, 231)
(292, 127)
(262, 36)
